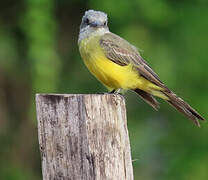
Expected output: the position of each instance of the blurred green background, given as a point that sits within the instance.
(39, 54)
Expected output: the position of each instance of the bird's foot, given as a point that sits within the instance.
(114, 91)
(117, 91)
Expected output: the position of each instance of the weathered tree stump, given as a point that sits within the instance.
(83, 137)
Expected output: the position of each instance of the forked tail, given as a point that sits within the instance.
(173, 100)
(183, 107)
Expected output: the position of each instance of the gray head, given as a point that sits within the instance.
(93, 21)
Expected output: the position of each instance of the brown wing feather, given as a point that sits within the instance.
(121, 52)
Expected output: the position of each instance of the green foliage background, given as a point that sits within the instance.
(39, 53)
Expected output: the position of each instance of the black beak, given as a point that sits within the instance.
(94, 24)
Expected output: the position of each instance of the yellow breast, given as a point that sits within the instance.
(112, 75)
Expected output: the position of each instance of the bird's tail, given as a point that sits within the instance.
(173, 100)
(148, 98)
(183, 107)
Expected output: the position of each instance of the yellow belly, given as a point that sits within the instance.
(112, 75)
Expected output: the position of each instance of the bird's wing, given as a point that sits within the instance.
(121, 52)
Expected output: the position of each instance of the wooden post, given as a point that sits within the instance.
(83, 137)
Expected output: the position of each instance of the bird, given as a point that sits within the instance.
(118, 65)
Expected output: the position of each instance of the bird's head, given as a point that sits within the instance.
(93, 21)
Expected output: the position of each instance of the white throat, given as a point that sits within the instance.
(90, 31)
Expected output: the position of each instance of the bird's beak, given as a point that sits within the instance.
(94, 24)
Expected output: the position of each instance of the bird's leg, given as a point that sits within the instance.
(117, 91)
(113, 91)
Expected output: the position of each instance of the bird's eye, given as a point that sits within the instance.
(105, 23)
(87, 21)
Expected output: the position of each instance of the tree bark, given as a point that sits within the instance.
(83, 137)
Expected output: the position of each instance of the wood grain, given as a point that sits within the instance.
(83, 137)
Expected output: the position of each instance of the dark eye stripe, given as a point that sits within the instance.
(87, 21)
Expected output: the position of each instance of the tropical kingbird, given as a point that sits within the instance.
(118, 65)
